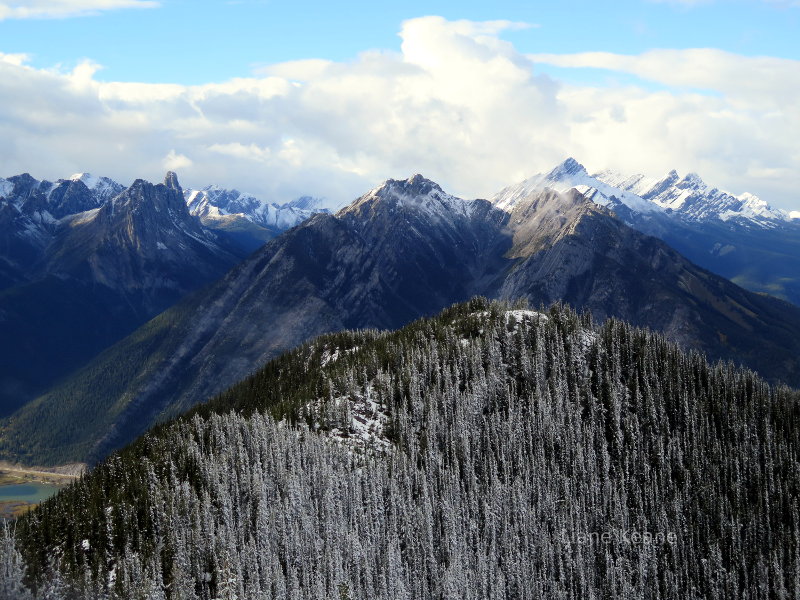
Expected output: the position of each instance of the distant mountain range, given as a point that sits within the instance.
(245, 218)
(688, 198)
(403, 250)
(85, 261)
(33, 212)
(739, 237)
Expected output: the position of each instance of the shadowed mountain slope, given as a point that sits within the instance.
(97, 274)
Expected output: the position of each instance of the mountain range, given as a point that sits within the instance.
(247, 220)
(88, 265)
(740, 237)
(85, 261)
(403, 250)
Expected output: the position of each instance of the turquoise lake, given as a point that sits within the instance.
(27, 492)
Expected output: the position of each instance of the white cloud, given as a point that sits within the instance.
(770, 82)
(175, 162)
(456, 103)
(14, 59)
(732, 118)
(54, 9)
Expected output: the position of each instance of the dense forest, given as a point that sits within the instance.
(490, 452)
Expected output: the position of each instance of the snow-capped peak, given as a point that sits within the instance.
(572, 174)
(416, 193)
(214, 202)
(414, 187)
(89, 180)
(692, 181)
(569, 168)
(755, 209)
(688, 197)
(103, 188)
(691, 199)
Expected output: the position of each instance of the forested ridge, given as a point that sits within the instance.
(517, 454)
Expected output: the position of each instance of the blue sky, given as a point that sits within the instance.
(283, 99)
(197, 41)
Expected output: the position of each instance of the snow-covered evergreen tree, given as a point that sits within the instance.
(491, 452)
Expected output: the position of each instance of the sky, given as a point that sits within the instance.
(283, 99)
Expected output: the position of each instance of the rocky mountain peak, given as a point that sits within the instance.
(306, 203)
(23, 179)
(662, 185)
(691, 181)
(171, 181)
(86, 178)
(425, 198)
(69, 197)
(416, 185)
(159, 202)
(571, 174)
(23, 184)
(102, 188)
(217, 207)
(567, 168)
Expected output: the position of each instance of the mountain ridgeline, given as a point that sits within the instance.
(741, 237)
(405, 249)
(91, 265)
(84, 261)
(244, 219)
(490, 452)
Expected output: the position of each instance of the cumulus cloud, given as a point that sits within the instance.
(175, 162)
(456, 103)
(732, 118)
(14, 59)
(54, 9)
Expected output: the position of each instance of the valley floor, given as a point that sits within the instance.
(22, 489)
